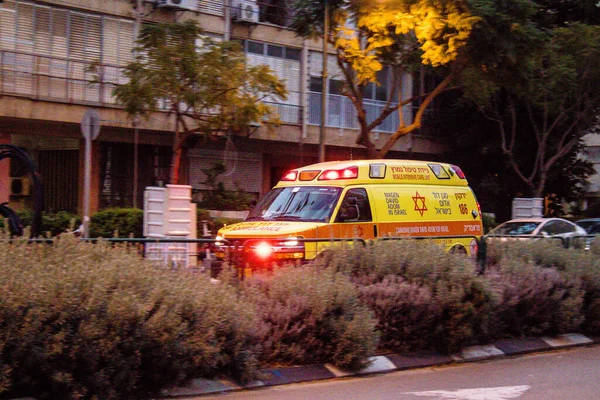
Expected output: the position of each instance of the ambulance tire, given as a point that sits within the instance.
(458, 249)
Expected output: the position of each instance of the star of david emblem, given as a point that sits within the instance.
(360, 231)
(419, 203)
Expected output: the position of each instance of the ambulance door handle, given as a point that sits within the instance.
(375, 230)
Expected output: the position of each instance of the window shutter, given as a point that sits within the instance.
(42, 29)
(8, 24)
(85, 35)
(60, 43)
(118, 41)
(25, 28)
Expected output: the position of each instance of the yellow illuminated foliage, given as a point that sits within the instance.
(441, 28)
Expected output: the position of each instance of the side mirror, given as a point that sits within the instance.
(545, 234)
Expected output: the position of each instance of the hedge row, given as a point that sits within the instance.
(112, 222)
(82, 320)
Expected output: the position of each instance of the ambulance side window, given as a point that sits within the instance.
(355, 207)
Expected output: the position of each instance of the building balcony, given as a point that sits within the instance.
(62, 80)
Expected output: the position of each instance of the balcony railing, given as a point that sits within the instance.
(56, 79)
(69, 81)
(342, 114)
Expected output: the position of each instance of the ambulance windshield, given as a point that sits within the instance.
(300, 203)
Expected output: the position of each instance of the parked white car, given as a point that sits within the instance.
(525, 228)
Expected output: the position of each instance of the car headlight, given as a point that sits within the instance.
(280, 249)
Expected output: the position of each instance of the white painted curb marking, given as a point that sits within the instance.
(497, 393)
(477, 352)
(378, 364)
(567, 339)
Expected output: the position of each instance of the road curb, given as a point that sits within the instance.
(388, 363)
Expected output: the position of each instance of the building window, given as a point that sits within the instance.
(292, 54)
(274, 12)
(315, 84)
(274, 51)
(256, 47)
(336, 87)
(285, 63)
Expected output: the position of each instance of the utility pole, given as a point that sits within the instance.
(136, 120)
(324, 86)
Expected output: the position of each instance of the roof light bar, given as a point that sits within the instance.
(377, 171)
(458, 171)
(336, 174)
(290, 176)
(309, 175)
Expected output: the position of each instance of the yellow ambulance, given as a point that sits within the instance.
(315, 206)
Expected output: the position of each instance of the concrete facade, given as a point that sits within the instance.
(592, 142)
(46, 48)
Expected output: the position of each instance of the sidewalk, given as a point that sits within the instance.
(388, 363)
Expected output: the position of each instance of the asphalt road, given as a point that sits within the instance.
(559, 375)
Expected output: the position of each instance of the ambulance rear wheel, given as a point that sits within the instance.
(458, 249)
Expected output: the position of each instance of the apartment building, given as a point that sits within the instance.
(46, 87)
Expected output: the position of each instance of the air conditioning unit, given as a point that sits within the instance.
(20, 186)
(247, 11)
(189, 5)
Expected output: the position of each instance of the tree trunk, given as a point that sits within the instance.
(416, 124)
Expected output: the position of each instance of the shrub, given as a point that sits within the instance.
(406, 257)
(53, 224)
(79, 320)
(595, 245)
(406, 313)
(460, 303)
(467, 313)
(534, 300)
(309, 315)
(586, 271)
(547, 253)
(117, 222)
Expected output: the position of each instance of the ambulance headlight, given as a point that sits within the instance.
(263, 250)
(292, 241)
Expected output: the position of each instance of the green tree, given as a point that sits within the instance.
(509, 51)
(403, 35)
(476, 148)
(208, 89)
(553, 97)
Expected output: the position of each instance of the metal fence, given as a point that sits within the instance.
(578, 241)
(195, 254)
